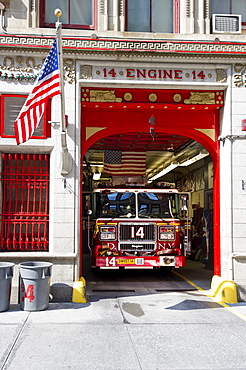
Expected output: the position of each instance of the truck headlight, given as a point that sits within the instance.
(166, 233)
(107, 233)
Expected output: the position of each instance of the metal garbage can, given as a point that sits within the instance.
(6, 274)
(35, 285)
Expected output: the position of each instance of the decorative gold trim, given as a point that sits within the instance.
(128, 96)
(200, 98)
(103, 96)
(210, 132)
(221, 75)
(86, 72)
(89, 131)
(238, 77)
(29, 65)
(177, 98)
(152, 97)
(68, 65)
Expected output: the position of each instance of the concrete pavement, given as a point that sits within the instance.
(151, 329)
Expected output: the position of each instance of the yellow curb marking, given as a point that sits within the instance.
(232, 310)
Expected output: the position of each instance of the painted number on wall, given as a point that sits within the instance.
(196, 75)
(154, 74)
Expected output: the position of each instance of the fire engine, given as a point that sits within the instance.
(140, 228)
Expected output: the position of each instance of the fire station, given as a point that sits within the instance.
(174, 91)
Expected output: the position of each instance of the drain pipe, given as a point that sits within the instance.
(66, 162)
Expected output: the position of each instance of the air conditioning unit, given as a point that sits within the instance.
(226, 23)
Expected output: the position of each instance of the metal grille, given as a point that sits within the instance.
(137, 247)
(137, 232)
(25, 202)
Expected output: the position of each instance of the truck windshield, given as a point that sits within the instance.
(153, 205)
(113, 205)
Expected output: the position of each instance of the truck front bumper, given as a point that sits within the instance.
(134, 262)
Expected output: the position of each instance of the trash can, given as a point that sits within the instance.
(6, 274)
(35, 285)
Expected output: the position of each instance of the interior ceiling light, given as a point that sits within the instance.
(163, 172)
(194, 159)
(93, 165)
(173, 165)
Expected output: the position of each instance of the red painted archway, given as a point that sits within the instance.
(192, 114)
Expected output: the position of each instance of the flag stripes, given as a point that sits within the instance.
(47, 86)
(26, 125)
(124, 163)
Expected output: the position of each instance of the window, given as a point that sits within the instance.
(75, 13)
(150, 16)
(10, 108)
(229, 7)
(25, 202)
(115, 205)
(151, 205)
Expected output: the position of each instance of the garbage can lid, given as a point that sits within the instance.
(6, 264)
(35, 264)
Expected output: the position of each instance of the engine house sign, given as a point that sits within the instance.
(153, 74)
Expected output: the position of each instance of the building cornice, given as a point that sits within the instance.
(21, 56)
(80, 44)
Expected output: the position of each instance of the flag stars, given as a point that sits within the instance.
(51, 63)
(46, 87)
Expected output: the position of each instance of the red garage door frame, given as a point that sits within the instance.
(194, 114)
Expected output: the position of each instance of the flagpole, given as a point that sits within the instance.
(65, 158)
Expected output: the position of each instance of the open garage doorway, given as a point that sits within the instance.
(177, 135)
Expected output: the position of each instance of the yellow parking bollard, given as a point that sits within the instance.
(79, 293)
(224, 290)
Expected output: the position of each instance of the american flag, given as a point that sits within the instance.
(46, 86)
(121, 163)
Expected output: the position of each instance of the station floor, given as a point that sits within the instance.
(149, 281)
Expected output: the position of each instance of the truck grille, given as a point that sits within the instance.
(131, 232)
(137, 247)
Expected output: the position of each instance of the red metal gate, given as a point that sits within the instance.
(25, 202)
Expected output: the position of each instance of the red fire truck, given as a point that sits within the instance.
(140, 227)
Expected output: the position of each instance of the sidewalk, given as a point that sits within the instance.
(181, 329)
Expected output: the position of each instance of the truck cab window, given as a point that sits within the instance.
(116, 205)
(152, 205)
